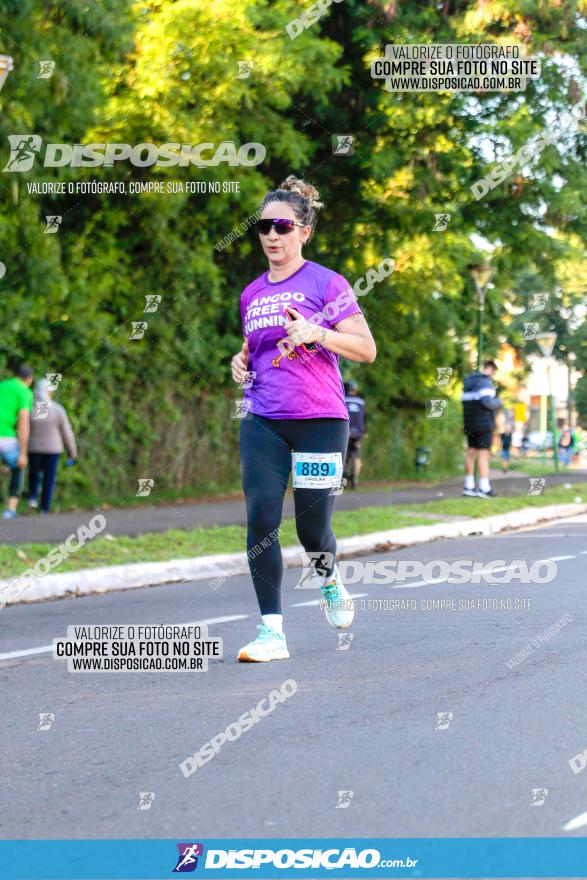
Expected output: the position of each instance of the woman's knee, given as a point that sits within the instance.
(314, 537)
(262, 522)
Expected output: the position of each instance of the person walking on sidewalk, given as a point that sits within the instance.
(480, 403)
(16, 402)
(506, 442)
(357, 429)
(566, 446)
(296, 418)
(50, 433)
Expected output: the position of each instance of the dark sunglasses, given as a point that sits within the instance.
(281, 226)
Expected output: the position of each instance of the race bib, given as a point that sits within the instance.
(316, 470)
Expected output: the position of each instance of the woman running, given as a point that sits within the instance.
(296, 411)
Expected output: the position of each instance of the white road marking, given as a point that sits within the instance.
(318, 601)
(420, 584)
(524, 534)
(481, 571)
(212, 620)
(575, 823)
(28, 653)
(445, 581)
(46, 649)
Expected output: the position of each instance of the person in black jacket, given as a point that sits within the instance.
(357, 430)
(479, 405)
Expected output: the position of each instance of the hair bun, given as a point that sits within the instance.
(295, 184)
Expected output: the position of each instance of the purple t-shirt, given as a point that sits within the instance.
(307, 384)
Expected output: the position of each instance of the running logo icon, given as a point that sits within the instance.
(188, 857)
(444, 719)
(443, 375)
(539, 795)
(152, 302)
(145, 486)
(146, 798)
(437, 408)
(441, 222)
(46, 69)
(53, 223)
(315, 572)
(244, 69)
(241, 408)
(46, 719)
(41, 410)
(538, 302)
(23, 149)
(138, 329)
(343, 145)
(338, 490)
(537, 485)
(248, 380)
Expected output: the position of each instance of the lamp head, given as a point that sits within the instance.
(546, 342)
(481, 273)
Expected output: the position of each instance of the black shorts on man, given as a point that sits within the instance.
(481, 440)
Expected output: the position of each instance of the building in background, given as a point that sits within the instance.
(6, 65)
(526, 398)
(535, 393)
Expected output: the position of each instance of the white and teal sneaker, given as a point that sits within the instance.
(269, 645)
(338, 607)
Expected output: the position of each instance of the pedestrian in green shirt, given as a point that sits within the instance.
(16, 403)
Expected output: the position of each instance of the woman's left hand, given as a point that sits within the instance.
(301, 331)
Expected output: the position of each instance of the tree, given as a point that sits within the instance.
(168, 72)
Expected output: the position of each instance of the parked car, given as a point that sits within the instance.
(539, 440)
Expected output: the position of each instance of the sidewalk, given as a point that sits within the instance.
(134, 521)
(218, 568)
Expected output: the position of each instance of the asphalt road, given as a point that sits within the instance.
(362, 720)
(231, 511)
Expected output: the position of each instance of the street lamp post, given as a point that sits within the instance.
(6, 65)
(481, 273)
(546, 343)
(571, 358)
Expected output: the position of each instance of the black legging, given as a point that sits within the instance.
(265, 447)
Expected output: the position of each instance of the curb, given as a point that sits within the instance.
(107, 579)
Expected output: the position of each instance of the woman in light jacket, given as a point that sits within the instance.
(50, 433)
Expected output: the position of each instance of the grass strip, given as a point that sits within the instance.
(180, 543)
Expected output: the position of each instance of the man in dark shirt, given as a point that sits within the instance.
(479, 405)
(357, 430)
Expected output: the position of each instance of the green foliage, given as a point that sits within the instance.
(159, 71)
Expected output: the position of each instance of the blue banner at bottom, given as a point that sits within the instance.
(293, 857)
